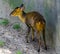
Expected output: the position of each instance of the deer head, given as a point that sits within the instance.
(18, 12)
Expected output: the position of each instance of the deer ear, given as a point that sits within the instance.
(19, 8)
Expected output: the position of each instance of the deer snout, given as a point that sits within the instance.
(10, 14)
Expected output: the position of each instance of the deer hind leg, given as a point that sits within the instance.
(38, 34)
(27, 37)
(44, 39)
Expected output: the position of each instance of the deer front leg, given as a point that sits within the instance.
(32, 34)
(27, 37)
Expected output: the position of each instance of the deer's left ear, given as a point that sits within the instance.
(22, 5)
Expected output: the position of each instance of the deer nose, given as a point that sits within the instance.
(10, 14)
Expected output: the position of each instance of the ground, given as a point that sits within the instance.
(15, 40)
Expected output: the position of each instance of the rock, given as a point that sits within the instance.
(15, 40)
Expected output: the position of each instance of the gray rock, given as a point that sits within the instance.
(15, 40)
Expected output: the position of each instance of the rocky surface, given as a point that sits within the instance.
(15, 40)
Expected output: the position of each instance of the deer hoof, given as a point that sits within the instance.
(45, 48)
(38, 50)
(27, 41)
(33, 39)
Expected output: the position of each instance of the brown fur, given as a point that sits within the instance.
(34, 21)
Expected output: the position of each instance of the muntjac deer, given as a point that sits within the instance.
(34, 22)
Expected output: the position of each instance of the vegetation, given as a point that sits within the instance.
(16, 26)
(18, 52)
(14, 3)
(2, 43)
(4, 22)
(30, 5)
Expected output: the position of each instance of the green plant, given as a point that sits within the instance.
(14, 3)
(16, 26)
(4, 21)
(18, 52)
(2, 43)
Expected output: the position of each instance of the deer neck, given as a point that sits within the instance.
(22, 18)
